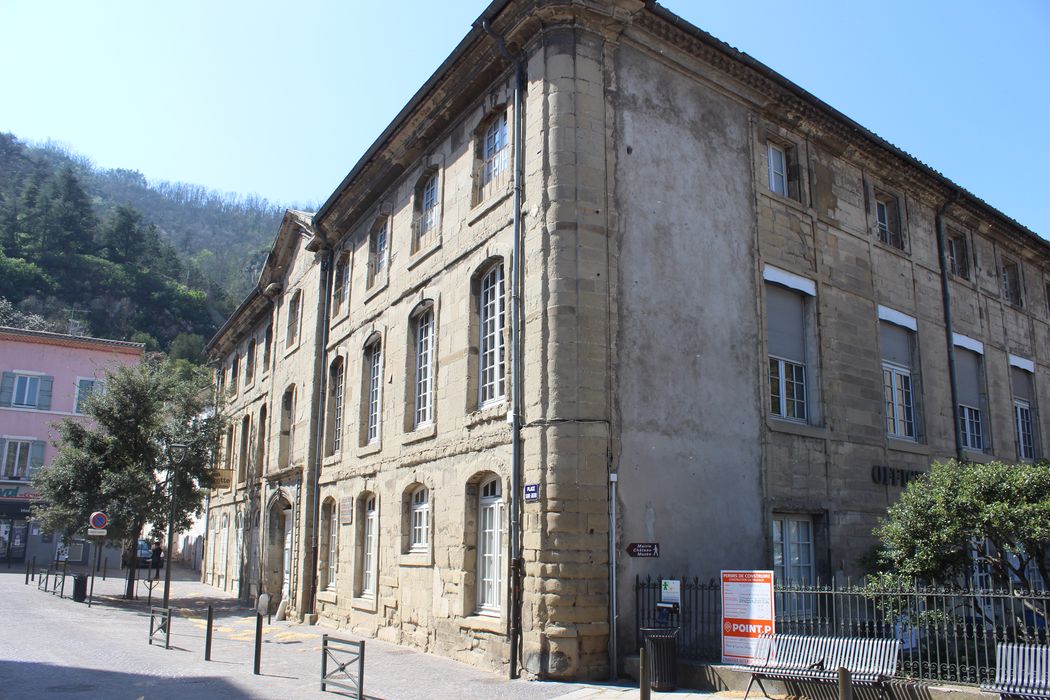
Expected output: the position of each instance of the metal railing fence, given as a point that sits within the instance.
(947, 634)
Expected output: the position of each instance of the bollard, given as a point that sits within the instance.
(207, 634)
(27, 572)
(643, 675)
(845, 684)
(104, 563)
(258, 640)
(32, 577)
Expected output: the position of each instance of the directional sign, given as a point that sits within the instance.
(96, 531)
(98, 520)
(644, 549)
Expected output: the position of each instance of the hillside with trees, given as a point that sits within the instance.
(107, 253)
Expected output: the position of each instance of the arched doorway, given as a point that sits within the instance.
(278, 555)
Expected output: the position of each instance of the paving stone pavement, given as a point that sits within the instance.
(54, 647)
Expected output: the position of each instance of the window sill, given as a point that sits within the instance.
(417, 559)
(370, 449)
(483, 622)
(905, 445)
(423, 253)
(377, 287)
(367, 604)
(803, 429)
(332, 459)
(488, 204)
(289, 350)
(977, 455)
(903, 252)
(327, 596)
(487, 414)
(419, 434)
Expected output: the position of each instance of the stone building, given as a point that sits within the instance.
(604, 268)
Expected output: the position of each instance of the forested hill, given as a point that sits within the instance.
(106, 253)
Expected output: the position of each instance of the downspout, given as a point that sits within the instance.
(949, 334)
(514, 528)
(321, 382)
(613, 609)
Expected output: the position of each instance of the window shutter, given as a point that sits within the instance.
(36, 457)
(7, 389)
(43, 401)
(968, 377)
(1022, 383)
(896, 344)
(784, 319)
(3, 456)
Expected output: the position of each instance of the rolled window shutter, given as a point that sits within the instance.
(43, 402)
(968, 377)
(7, 389)
(36, 456)
(1022, 383)
(3, 456)
(785, 321)
(896, 344)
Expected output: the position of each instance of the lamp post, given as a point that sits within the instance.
(176, 453)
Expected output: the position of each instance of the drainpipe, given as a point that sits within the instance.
(321, 382)
(613, 546)
(949, 334)
(516, 563)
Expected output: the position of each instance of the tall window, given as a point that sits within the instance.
(1012, 283)
(378, 249)
(20, 458)
(249, 363)
(27, 391)
(341, 286)
(267, 346)
(793, 549)
(229, 447)
(491, 346)
(490, 524)
(234, 368)
(1023, 423)
(329, 545)
(287, 436)
(896, 344)
(887, 218)
(428, 210)
(424, 384)
(494, 155)
(242, 465)
(291, 335)
(778, 168)
(371, 541)
(85, 388)
(785, 321)
(958, 254)
(374, 389)
(336, 375)
(968, 384)
(260, 440)
(419, 520)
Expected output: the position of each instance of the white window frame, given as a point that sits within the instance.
(374, 358)
(419, 520)
(1013, 293)
(16, 471)
(337, 388)
(971, 428)
(428, 209)
(341, 285)
(424, 378)
(958, 260)
(899, 399)
(331, 544)
(378, 249)
(774, 152)
(779, 402)
(494, 152)
(97, 385)
(792, 553)
(26, 384)
(291, 331)
(371, 549)
(490, 560)
(491, 342)
(1024, 429)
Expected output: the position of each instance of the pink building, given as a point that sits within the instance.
(45, 378)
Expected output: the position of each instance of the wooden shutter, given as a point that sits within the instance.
(43, 401)
(7, 389)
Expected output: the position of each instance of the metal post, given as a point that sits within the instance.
(845, 684)
(105, 562)
(207, 635)
(324, 660)
(98, 558)
(27, 572)
(643, 675)
(258, 640)
(361, 673)
(32, 576)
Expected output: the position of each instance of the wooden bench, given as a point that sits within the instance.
(804, 658)
(1021, 670)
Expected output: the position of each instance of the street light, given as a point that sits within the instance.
(176, 454)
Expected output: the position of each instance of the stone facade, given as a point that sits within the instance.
(673, 190)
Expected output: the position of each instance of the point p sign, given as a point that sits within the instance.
(98, 520)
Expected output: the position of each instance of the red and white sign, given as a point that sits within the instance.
(747, 614)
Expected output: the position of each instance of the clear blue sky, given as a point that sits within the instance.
(280, 99)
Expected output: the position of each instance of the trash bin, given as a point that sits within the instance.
(661, 651)
(80, 587)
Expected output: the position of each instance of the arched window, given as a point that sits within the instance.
(284, 452)
(242, 463)
(378, 249)
(267, 347)
(249, 363)
(423, 367)
(373, 389)
(492, 384)
(490, 529)
(334, 429)
(419, 520)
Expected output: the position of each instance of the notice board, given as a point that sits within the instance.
(747, 613)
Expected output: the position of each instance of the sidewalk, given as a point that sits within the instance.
(53, 646)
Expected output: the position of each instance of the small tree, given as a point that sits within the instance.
(964, 513)
(118, 463)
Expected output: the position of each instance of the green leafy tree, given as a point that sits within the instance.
(187, 346)
(995, 515)
(118, 462)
